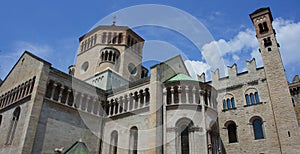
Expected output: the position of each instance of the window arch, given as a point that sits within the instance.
(13, 125)
(257, 124)
(228, 102)
(252, 97)
(113, 149)
(183, 139)
(133, 140)
(232, 133)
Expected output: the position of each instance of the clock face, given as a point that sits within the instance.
(132, 69)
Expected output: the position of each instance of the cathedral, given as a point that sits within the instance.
(108, 103)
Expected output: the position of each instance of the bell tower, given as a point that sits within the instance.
(283, 112)
(114, 49)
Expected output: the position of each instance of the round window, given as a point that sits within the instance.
(132, 69)
(84, 67)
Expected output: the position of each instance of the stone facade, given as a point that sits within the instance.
(108, 103)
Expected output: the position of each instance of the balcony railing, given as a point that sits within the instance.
(16, 94)
(180, 93)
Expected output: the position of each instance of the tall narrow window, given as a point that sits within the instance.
(257, 129)
(224, 104)
(120, 38)
(133, 143)
(228, 104)
(247, 99)
(232, 136)
(13, 126)
(103, 37)
(185, 141)
(109, 38)
(252, 98)
(183, 131)
(95, 39)
(114, 39)
(232, 103)
(113, 149)
(265, 27)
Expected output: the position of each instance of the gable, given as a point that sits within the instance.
(27, 67)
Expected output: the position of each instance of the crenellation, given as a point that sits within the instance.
(232, 71)
(251, 66)
(201, 77)
(215, 75)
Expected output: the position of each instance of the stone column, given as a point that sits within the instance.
(179, 94)
(75, 98)
(53, 91)
(172, 95)
(187, 94)
(68, 95)
(60, 93)
(194, 95)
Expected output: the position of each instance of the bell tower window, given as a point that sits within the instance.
(263, 27)
(267, 42)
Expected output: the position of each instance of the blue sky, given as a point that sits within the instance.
(50, 29)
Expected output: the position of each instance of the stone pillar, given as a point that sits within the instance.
(194, 94)
(187, 94)
(75, 98)
(68, 95)
(60, 93)
(53, 91)
(172, 95)
(87, 103)
(179, 94)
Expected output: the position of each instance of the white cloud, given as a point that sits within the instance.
(196, 67)
(288, 35)
(217, 53)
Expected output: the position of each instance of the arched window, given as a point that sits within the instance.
(13, 126)
(231, 128)
(228, 102)
(113, 149)
(133, 140)
(183, 140)
(257, 124)
(252, 97)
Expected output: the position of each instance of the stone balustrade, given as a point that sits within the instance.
(77, 98)
(180, 93)
(16, 94)
(128, 102)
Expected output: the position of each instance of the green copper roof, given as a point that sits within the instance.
(181, 77)
(78, 148)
